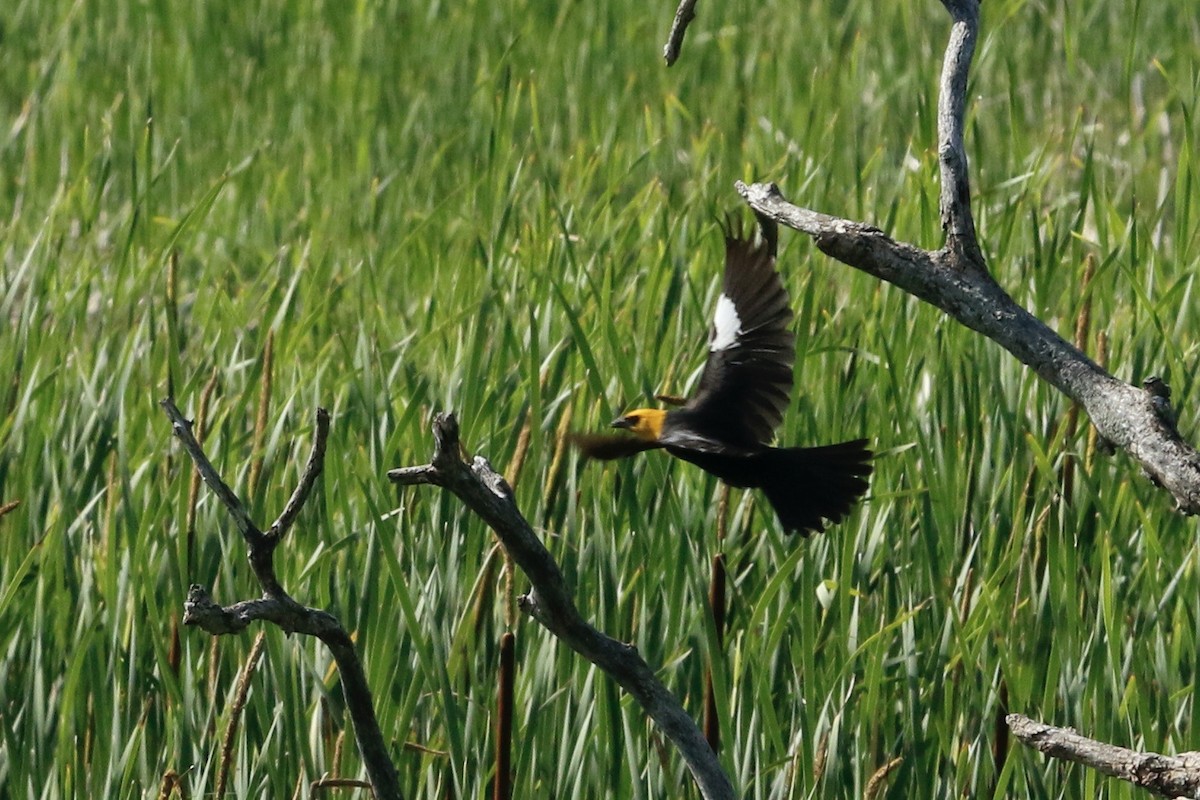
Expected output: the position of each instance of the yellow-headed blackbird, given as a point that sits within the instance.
(726, 428)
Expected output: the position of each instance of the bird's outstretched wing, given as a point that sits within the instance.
(608, 446)
(747, 381)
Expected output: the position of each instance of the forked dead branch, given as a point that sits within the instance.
(276, 606)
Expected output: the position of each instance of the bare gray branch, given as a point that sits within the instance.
(203, 612)
(956, 280)
(312, 470)
(1168, 776)
(486, 493)
(182, 427)
(957, 220)
(277, 607)
(683, 17)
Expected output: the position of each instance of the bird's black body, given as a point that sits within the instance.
(746, 386)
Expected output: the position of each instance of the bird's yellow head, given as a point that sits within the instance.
(644, 423)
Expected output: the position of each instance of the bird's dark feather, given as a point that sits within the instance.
(746, 387)
(608, 446)
(807, 486)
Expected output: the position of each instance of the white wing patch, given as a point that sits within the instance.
(727, 325)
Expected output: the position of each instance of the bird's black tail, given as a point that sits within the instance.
(808, 485)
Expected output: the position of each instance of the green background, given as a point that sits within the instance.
(509, 209)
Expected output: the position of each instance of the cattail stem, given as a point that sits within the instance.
(502, 786)
(716, 602)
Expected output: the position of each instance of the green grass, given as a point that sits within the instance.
(507, 209)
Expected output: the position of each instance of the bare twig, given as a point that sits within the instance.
(183, 430)
(683, 17)
(308, 479)
(956, 280)
(549, 601)
(278, 607)
(952, 152)
(1167, 776)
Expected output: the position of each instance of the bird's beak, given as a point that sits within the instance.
(622, 422)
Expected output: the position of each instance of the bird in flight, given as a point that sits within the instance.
(726, 429)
